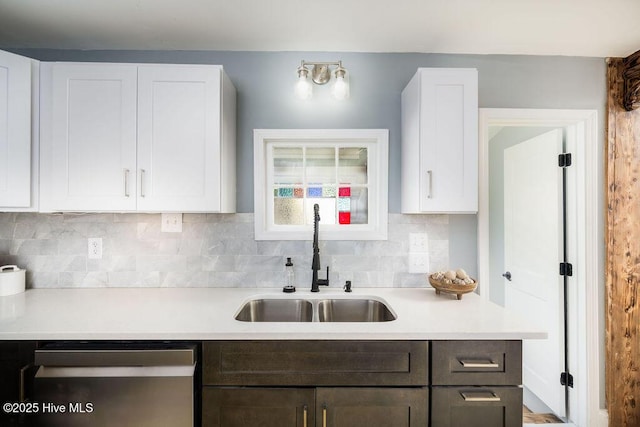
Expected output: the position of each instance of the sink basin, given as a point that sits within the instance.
(354, 310)
(276, 310)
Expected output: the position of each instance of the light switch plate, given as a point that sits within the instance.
(171, 223)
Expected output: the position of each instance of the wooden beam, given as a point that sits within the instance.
(631, 74)
(623, 254)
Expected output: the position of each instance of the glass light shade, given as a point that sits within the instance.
(303, 89)
(340, 89)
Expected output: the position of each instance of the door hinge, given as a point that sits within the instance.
(564, 160)
(566, 269)
(566, 379)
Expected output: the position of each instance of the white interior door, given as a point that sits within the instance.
(533, 251)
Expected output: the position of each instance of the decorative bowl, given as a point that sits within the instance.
(452, 288)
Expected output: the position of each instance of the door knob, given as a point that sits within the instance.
(507, 275)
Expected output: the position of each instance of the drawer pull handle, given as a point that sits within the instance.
(304, 416)
(430, 184)
(479, 396)
(469, 363)
(324, 416)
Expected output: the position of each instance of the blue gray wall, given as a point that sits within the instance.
(264, 81)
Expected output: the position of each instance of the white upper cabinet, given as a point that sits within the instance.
(16, 149)
(126, 137)
(440, 141)
(88, 141)
(179, 138)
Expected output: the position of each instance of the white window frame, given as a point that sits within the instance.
(377, 143)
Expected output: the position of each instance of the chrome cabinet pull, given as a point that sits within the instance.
(479, 396)
(126, 183)
(142, 179)
(474, 363)
(324, 416)
(304, 416)
(430, 184)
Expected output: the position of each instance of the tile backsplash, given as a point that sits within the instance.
(213, 250)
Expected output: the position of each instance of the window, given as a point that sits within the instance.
(344, 171)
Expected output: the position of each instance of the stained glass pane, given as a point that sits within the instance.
(288, 211)
(352, 165)
(287, 165)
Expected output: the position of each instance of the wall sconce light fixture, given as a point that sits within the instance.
(320, 75)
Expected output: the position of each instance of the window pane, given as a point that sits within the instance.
(352, 165)
(327, 210)
(321, 165)
(287, 165)
(359, 206)
(288, 211)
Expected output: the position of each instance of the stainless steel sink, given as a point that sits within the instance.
(276, 310)
(354, 310)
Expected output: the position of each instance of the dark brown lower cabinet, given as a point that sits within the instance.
(264, 407)
(366, 407)
(319, 407)
(476, 407)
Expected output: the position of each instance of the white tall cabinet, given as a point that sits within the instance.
(18, 132)
(137, 137)
(440, 141)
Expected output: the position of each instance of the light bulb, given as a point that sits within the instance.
(340, 89)
(303, 88)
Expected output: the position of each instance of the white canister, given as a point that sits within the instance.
(11, 280)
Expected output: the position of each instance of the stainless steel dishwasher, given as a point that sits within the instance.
(101, 385)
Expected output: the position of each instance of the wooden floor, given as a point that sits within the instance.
(529, 417)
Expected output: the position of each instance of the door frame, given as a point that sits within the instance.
(587, 332)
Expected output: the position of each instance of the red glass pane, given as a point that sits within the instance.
(344, 217)
(344, 191)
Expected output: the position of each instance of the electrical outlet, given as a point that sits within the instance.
(418, 243)
(171, 222)
(418, 263)
(94, 248)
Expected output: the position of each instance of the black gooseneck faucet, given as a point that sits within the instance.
(315, 264)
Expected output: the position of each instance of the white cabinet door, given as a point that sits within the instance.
(179, 138)
(15, 131)
(440, 142)
(89, 139)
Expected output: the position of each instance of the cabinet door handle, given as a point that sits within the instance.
(126, 183)
(471, 363)
(429, 184)
(324, 416)
(479, 396)
(142, 179)
(21, 390)
(304, 416)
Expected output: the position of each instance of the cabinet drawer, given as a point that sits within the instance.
(313, 363)
(476, 362)
(476, 406)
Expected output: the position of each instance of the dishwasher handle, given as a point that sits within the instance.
(115, 371)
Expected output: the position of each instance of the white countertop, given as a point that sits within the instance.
(208, 314)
